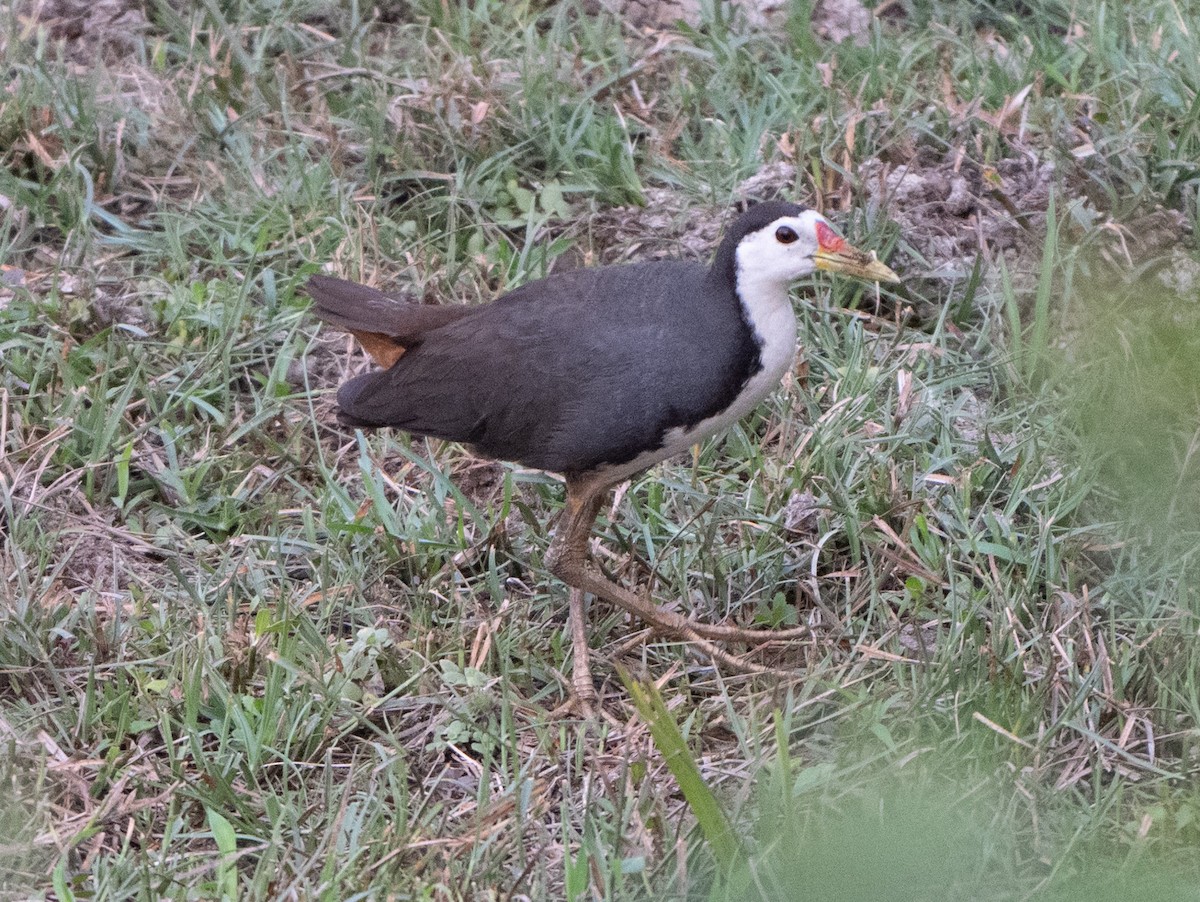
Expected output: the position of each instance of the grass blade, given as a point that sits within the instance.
(714, 822)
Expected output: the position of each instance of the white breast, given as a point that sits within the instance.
(769, 311)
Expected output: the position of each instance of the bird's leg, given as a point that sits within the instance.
(640, 605)
(581, 667)
(590, 579)
(568, 559)
(570, 544)
(722, 632)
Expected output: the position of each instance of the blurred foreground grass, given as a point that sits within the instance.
(1132, 387)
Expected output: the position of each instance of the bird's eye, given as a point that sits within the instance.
(786, 235)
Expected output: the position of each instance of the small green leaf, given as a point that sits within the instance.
(122, 461)
(522, 197)
(222, 831)
(634, 864)
(552, 200)
(915, 587)
(884, 735)
(226, 839)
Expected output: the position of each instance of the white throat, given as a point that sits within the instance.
(768, 307)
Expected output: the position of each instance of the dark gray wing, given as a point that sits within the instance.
(570, 372)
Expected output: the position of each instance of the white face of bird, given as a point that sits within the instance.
(791, 247)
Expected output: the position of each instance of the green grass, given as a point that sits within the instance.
(245, 654)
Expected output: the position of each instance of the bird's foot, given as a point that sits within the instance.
(584, 699)
(582, 707)
(723, 632)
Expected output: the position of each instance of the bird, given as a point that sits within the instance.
(596, 374)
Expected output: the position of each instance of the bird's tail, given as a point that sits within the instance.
(384, 325)
(353, 307)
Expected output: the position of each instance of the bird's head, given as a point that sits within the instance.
(776, 243)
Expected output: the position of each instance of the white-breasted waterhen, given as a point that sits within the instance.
(596, 374)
